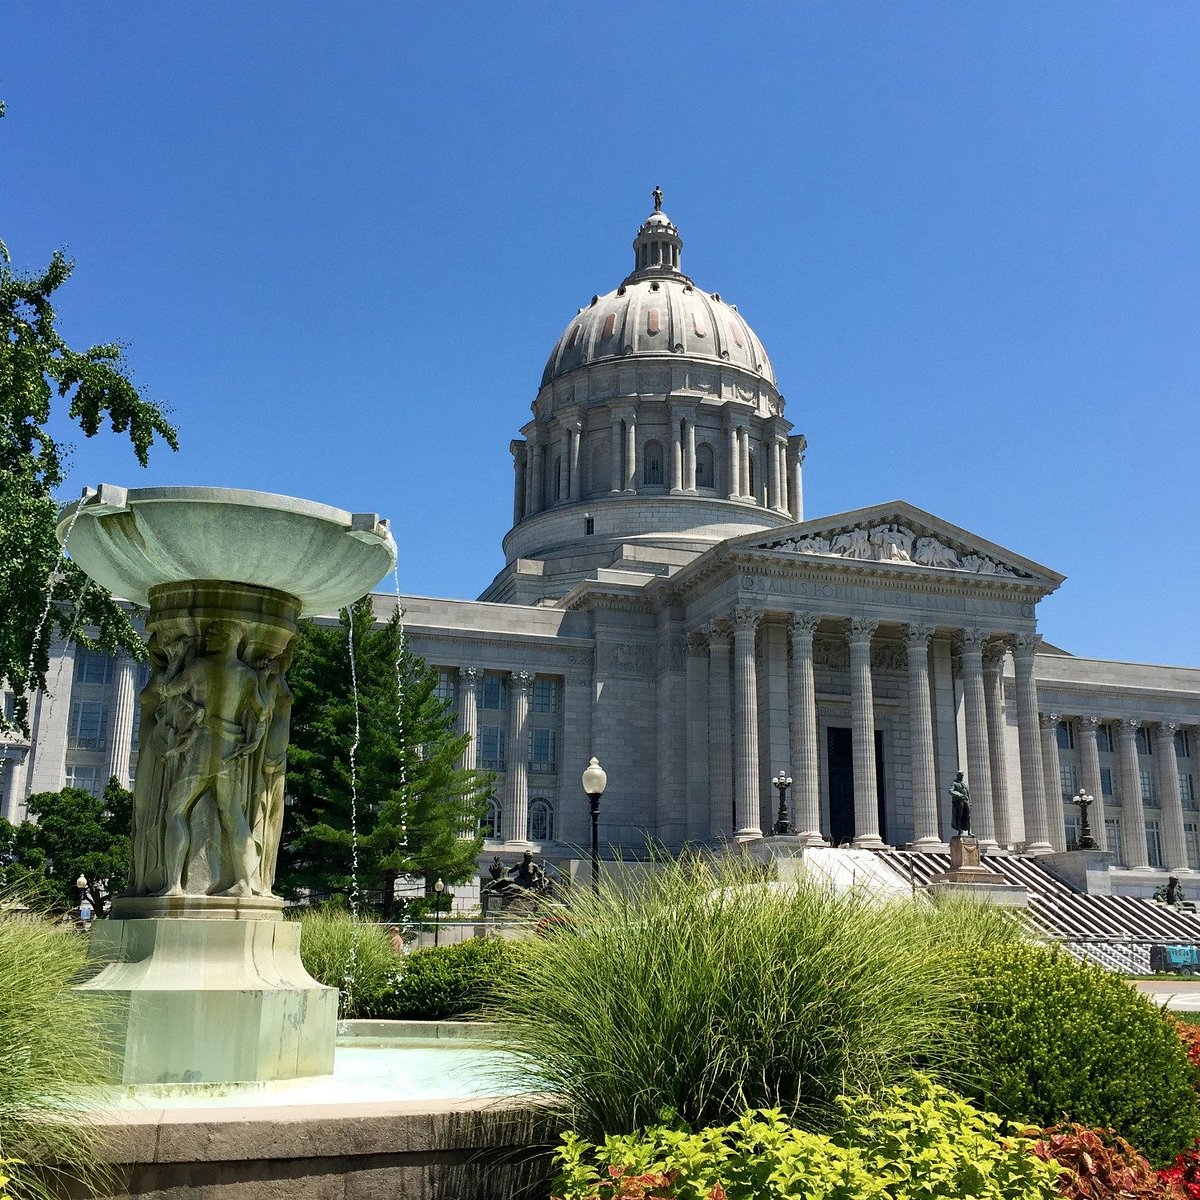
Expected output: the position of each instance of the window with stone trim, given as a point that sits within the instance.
(10, 707)
(545, 696)
(541, 750)
(1191, 841)
(445, 689)
(1187, 789)
(706, 474)
(84, 776)
(1112, 832)
(91, 666)
(495, 691)
(1104, 739)
(1145, 740)
(89, 719)
(1154, 844)
(1106, 781)
(1149, 794)
(491, 747)
(1068, 779)
(1064, 732)
(1183, 744)
(489, 826)
(652, 466)
(1073, 827)
(541, 820)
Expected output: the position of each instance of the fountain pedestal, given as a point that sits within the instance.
(203, 975)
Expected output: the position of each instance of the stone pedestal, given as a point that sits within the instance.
(1084, 870)
(969, 879)
(212, 1000)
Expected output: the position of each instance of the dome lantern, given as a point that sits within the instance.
(657, 247)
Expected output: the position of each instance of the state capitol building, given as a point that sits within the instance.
(667, 604)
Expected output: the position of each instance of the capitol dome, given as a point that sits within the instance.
(657, 312)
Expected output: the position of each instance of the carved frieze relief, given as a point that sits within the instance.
(630, 658)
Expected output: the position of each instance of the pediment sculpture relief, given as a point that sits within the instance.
(893, 542)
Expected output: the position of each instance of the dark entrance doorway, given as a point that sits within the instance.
(840, 746)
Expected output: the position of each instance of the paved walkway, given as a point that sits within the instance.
(1179, 995)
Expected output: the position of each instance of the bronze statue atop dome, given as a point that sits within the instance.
(657, 199)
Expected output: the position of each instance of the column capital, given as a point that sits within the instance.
(1049, 720)
(1025, 645)
(1090, 724)
(1129, 725)
(803, 624)
(1167, 729)
(746, 619)
(860, 629)
(973, 638)
(520, 679)
(994, 654)
(916, 637)
(468, 675)
(697, 640)
(717, 633)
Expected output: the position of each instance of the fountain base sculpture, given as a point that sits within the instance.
(203, 974)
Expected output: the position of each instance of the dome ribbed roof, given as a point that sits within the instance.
(658, 311)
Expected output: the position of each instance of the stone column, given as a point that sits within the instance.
(11, 777)
(468, 715)
(746, 797)
(735, 464)
(519, 485)
(796, 477)
(979, 761)
(677, 484)
(862, 718)
(920, 737)
(689, 455)
(696, 696)
(781, 455)
(539, 477)
(1033, 781)
(805, 752)
(744, 437)
(1089, 777)
(576, 482)
(1133, 813)
(774, 489)
(120, 742)
(616, 475)
(993, 693)
(720, 744)
(562, 484)
(1053, 777)
(631, 454)
(530, 476)
(516, 778)
(1170, 798)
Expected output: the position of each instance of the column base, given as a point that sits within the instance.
(869, 841)
(212, 1001)
(812, 838)
(929, 845)
(1038, 848)
(748, 834)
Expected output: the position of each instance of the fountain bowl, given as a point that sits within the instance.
(132, 539)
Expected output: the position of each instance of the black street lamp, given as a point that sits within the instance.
(782, 782)
(438, 889)
(1084, 801)
(594, 783)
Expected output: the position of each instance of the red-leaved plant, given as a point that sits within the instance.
(1189, 1035)
(1184, 1174)
(1099, 1165)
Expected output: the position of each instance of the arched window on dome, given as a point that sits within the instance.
(599, 473)
(652, 469)
(706, 475)
(556, 480)
(489, 826)
(541, 820)
(751, 482)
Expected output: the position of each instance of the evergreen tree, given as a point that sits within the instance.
(413, 800)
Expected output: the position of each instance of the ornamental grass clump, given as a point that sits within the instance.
(1058, 1040)
(700, 992)
(354, 956)
(54, 1046)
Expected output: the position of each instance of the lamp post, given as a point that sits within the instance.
(81, 886)
(438, 889)
(1084, 801)
(594, 783)
(782, 782)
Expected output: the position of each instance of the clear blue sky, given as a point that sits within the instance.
(340, 240)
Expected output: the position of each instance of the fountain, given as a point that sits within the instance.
(204, 974)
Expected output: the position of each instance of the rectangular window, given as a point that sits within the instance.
(1191, 839)
(91, 667)
(1148, 794)
(88, 720)
(10, 706)
(1187, 789)
(1106, 781)
(1183, 744)
(87, 778)
(1104, 739)
(445, 686)
(1068, 779)
(541, 750)
(1073, 826)
(495, 692)
(1065, 733)
(545, 695)
(1154, 844)
(491, 748)
(1112, 831)
(1145, 743)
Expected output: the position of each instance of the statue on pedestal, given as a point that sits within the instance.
(960, 806)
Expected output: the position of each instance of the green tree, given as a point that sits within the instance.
(413, 799)
(37, 368)
(75, 834)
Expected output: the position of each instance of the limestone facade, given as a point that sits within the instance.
(667, 605)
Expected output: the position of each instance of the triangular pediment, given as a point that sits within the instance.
(901, 535)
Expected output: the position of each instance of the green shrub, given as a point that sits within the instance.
(1061, 1041)
(448, 981)
(929, 1145)
(328, 941)
(699, 991)
(53, 1043)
